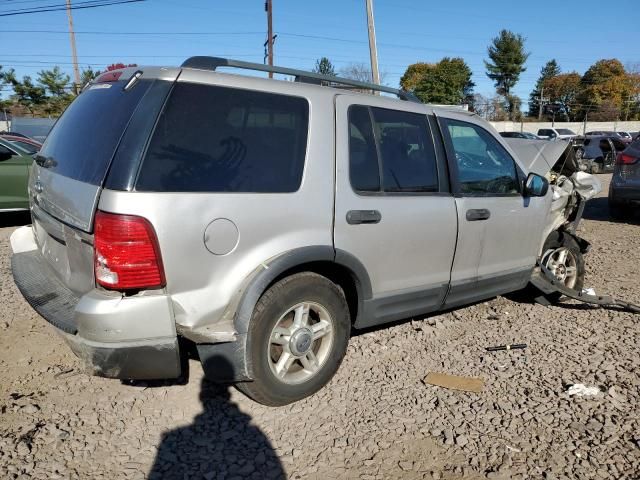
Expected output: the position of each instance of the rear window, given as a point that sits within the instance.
(394, 144)
(220, 139)
(565, 131)
(84, 139)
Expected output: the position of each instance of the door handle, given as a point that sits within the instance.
(359, 217)
(475, 214)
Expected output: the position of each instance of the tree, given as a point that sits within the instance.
(54, 81)
(414, 74)
(58, 87)
(605, 89)
(480, 105)
(324, 67)
(360, 72)
(549, 70)
(563, 90)
(88, 75)
(508, 57)
(446, 82)
(25, 92)
(118, 66)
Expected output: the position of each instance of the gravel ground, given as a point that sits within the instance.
(376, 419)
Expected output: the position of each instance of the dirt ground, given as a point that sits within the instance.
(376, 419)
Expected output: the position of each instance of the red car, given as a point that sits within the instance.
(26, 143)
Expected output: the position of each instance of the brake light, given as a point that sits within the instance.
(624, 159)
(127, 255)
(109, 77)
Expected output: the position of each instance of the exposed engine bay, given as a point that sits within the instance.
(570, 186)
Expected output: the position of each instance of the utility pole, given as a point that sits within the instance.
(74, 53)
(541, 101)
(372, 45)
(268, 6)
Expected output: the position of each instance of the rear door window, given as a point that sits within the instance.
(391, 151)
(84, 139)
(221, 139)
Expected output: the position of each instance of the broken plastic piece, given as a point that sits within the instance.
(588, 291)
(582, 390)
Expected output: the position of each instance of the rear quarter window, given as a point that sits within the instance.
(221, 139)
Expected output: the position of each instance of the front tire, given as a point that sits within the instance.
(297, 338)
(562, 256)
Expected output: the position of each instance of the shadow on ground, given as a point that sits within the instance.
(14, 219)
(220, 443)
(598, 209)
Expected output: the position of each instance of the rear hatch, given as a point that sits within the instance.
(115, 113)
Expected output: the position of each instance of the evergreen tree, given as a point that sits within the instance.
(548, 71)
(508, 57)
(324, 67)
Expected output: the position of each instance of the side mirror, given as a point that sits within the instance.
(536, 186)
(5, 154)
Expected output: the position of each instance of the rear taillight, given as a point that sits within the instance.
(625, 159)
(127, 255)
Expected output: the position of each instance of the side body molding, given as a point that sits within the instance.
(234, 354)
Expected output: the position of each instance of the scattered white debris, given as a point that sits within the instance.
(582, 390)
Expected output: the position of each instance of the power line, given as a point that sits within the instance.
(61, 7)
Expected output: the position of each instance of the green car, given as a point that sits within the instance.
(14, 171)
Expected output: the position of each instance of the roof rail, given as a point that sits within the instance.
(212, 63)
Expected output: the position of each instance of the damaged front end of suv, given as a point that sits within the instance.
(562, 249)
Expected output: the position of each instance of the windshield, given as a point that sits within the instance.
(84, 139)
(565, 131)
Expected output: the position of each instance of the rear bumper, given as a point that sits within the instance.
(119, 337)
(624, 194)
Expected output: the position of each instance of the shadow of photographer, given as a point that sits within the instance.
(221, 443)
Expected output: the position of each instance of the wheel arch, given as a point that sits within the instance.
(337, 265)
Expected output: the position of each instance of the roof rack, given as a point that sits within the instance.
(212, 63)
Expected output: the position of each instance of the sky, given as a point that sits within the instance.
(165, 32)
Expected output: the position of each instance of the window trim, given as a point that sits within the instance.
(442, 187)
(453, 164)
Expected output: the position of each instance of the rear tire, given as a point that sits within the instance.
(617, 210)
(552, 257)
(297, 338)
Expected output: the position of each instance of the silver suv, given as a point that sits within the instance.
(262, 220)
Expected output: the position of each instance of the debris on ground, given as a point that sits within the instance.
(581, 390)
(513, 346)
(455, 382)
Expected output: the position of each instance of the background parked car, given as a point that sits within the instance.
(624, 189)
(26, 143)
(597, 153)
(13, 134)
(623, 136)
(14, 171)
(524, 135)
(554, 133)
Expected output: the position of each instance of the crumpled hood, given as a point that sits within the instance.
(540, 156)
